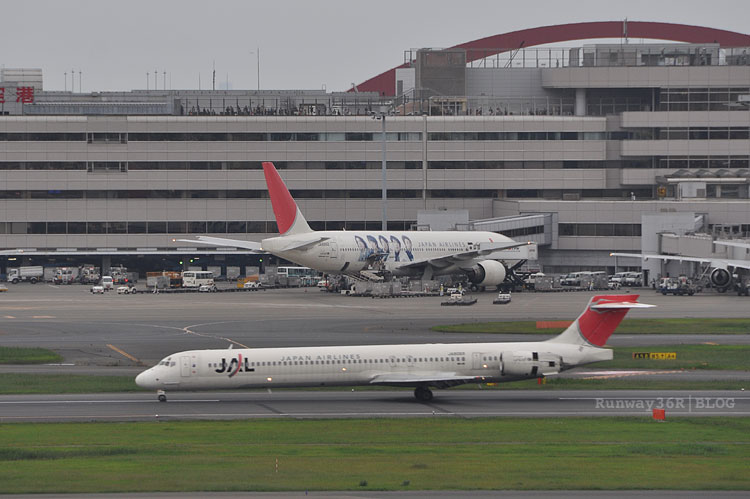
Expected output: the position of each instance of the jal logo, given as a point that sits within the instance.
(234, 366)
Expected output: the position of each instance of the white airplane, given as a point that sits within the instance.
(484, 257)
(726, 273)
(421, 366)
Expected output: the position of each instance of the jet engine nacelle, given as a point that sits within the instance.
(720, 278)
(488, 273)
(530, 364)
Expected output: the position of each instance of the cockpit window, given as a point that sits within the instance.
(166, 362)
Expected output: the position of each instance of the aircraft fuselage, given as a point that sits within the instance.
(344, 251)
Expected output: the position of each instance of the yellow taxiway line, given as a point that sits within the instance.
(124, 353)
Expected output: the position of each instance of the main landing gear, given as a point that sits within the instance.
(161, 395)
(423, 394)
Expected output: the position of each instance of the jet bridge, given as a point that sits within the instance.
(534, 227)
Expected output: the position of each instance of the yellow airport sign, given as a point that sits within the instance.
(655, 355)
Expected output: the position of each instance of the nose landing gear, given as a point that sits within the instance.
(161, 395)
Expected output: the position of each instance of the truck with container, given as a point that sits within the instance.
(163, 279)
(119, 275)
(27, 273)
(65, 275)
(89, 274)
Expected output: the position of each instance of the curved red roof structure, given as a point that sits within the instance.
(385, 83)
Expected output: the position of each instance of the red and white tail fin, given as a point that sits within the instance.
(599, 320)
(288, 216)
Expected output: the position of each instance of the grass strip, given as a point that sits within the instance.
(628, 326)
(19, 384)
(20, 355)
(706, 356)
(376, 454)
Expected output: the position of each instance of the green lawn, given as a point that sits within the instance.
(17, 384)
(16, 355)
(376, 454)
(628, 326)
(722, 357)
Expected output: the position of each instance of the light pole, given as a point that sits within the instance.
(257, 61)
(381, 116)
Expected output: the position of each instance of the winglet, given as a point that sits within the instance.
(288, 216)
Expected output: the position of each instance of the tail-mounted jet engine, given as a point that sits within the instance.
(530, 364)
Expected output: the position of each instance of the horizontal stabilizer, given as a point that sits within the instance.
(620, 305)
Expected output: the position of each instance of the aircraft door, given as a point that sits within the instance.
(476, 360)
(185, 366)
(334, 251)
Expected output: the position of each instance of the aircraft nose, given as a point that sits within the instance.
(146, 379)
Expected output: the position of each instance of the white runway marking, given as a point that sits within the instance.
(139, 401)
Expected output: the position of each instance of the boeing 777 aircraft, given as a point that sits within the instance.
(420, 366)
(725, 273)
(485, 257)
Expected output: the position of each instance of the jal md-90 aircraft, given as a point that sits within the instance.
(421, 366)
(378, 254)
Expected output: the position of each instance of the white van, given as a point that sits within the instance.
(107, 282)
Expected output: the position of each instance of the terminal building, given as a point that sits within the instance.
(585, 150)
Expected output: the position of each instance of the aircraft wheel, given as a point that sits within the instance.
(423, 394)
(162, 396)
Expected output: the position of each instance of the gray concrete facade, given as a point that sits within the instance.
(598, 148)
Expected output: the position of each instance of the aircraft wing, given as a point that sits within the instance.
(434, 378)
(220, 241)
(464, 256)
(734, 244)
(719, 263)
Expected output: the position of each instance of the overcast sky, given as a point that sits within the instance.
(303, 44)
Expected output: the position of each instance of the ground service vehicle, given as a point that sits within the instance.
(89, 274)
(107, 282)
(28, 273)
(678, 286)
(163, 280)
(633, 279)
(421, 366)
(119, 275)
(197, 278)
(294, 277)
(574, 278)
(65, 275)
